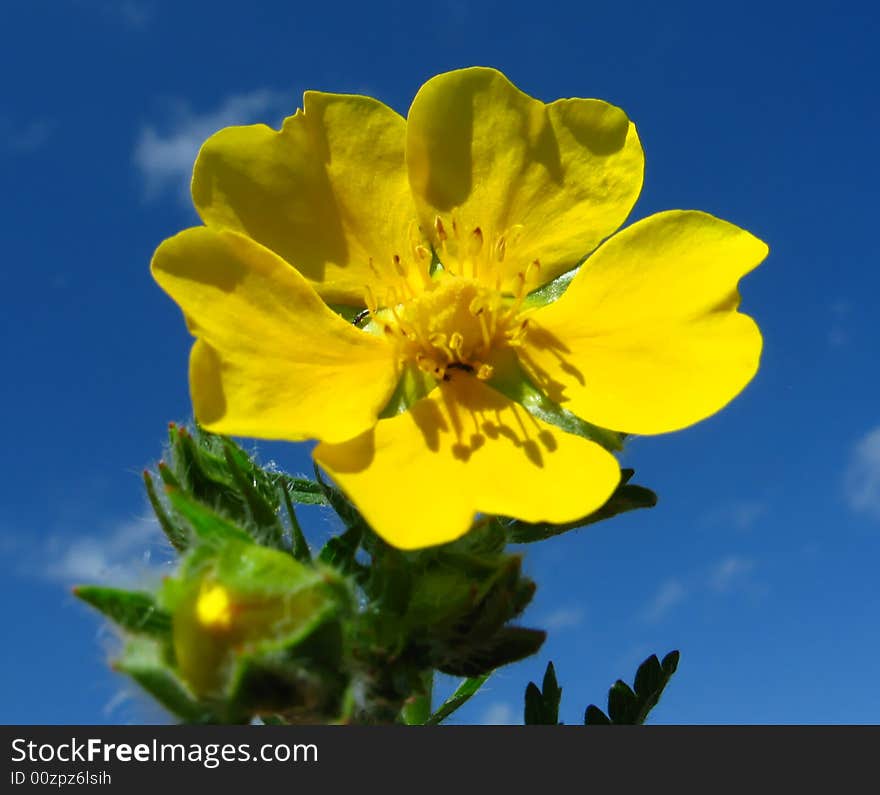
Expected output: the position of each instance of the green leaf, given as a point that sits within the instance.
(512, 381)
(542, 704)
(467, 689)
(595, 717)
(627, 497)
(134, 611)
(628, 707)
(622, 704)
(300, 549)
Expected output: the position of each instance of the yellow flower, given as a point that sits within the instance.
(442, 225)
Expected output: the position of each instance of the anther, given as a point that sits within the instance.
(439, 229)
(485, 372)
(476, 241)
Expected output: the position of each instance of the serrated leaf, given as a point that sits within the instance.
(134, 611)
(466, 690)
(628, 707)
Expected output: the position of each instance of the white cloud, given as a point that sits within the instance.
(729, 573)
(122, 556)
(563, 618)
(670, 594)
(862, 481)
(499, 714)
(165, 159)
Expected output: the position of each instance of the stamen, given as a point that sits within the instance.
(476, 242)
(370, 300)
(456, 341)
(439, 229)
(500, 248)
(485, 372)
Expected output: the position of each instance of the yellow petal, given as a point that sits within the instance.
(420, 478)
(327, 192)
(568, 172)
(271, 360)
(647, 338)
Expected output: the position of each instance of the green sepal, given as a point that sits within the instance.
(303, 490)
(552, 291)
(176, 534)
(142, 661)
(514, 383)
(628, 706)
(263, 513)
(627, 497)
(507, 645)
(133, 611)
(209, 527)
(412, 385)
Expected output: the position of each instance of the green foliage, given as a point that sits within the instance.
(133, 611)
(627, 497)
(542, 704)
(512, 381)
(463, 693)
(628, 706)
(253, 625)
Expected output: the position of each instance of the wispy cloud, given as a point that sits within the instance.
(164, 155)
(129, 553)
(729, 573)
(671, 593)
(862, 482)
(499, 714)
(563, 618)
(24, 138)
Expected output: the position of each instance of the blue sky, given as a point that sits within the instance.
(760, 561)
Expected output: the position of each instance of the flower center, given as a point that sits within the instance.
(458, 317)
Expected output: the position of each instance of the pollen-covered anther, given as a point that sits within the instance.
(485, 372)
